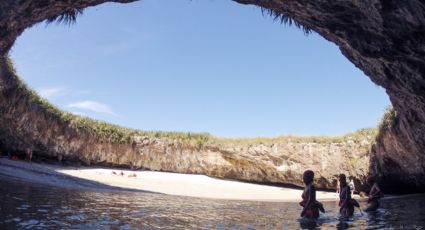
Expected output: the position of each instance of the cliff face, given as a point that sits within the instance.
(281, 163)
(384, 38)
(28, 122)
(398, 168)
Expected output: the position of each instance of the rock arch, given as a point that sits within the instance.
(384, 38)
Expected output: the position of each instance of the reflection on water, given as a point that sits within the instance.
(31, 206)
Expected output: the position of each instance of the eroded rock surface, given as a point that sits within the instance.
(384, 38)
(398, 168)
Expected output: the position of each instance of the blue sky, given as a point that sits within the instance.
(201, 66)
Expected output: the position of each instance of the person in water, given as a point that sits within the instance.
(375, 194)
(309, 203)
(346, 203)
(351, 185)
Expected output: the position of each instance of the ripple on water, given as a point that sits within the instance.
(32, 206)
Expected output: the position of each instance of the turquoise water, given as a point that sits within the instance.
(26, 205)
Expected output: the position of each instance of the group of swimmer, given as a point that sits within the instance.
(311, 206)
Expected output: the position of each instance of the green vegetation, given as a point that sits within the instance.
(32, 98)
(285, 19)
(388, 119)
(356, 137)
(68, 17)
(117, 134)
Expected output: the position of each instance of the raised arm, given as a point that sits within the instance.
(375, 191)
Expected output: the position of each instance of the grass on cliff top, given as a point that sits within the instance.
(356, 137)
(388, 119)
(118, 134)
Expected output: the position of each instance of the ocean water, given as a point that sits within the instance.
(25, 205)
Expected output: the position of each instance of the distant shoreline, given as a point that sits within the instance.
(149, 181)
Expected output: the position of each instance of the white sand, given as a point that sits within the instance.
(160, 182)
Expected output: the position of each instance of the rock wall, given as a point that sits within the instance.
(384, 38)
(398, 168)
(280, 163)
(28, 122)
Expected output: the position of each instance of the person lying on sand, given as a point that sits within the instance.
(132, 175)
(122, 174)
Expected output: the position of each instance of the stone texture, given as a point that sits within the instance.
(384, 38)
(398, 169)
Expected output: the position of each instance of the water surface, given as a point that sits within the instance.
(25, 205)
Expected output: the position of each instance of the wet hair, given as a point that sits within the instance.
(342, 178)
(308, 176)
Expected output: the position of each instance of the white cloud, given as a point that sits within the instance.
(93, 106)
(49, 92)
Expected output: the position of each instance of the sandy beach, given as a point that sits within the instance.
(158, 182)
